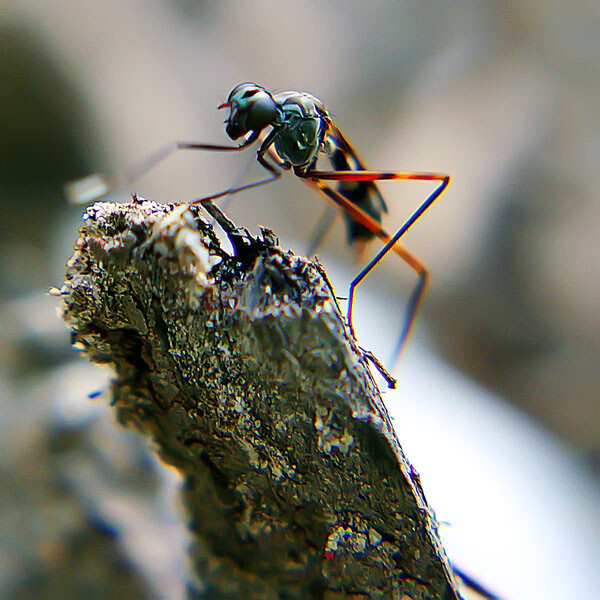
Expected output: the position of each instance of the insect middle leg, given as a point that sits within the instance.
(274, 169)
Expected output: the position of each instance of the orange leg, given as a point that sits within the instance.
(316, 178)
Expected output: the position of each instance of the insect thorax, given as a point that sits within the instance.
(302, 136)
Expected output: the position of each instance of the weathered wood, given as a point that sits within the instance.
(242, 371)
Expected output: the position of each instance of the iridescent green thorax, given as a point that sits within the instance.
(303, 132)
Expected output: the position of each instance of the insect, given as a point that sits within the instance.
(301, 130)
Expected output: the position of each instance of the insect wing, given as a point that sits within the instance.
(364, 194)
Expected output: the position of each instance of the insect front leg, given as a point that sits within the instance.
(94, 186)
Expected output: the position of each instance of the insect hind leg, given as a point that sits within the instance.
(416, 296)
(392, 244)
(355, 212)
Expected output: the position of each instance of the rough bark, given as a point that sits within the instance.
(243, 372)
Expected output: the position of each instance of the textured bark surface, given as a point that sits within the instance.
(242, 371)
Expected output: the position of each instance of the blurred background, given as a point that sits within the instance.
(501, 376)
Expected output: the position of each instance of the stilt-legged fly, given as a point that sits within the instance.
(301, 130)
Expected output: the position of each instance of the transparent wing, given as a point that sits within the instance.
(364, 194)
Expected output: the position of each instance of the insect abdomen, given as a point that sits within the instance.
(362, 193)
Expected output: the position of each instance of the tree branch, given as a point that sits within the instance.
(242, 371)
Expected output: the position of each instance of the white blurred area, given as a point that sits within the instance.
(517, 509)
(518, 512)
(504, 97)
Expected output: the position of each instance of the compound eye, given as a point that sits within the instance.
(249, 93)
(262, 113)
(242, 89)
